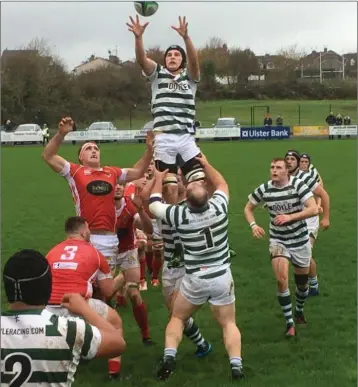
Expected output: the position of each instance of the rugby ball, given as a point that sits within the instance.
(146, 8)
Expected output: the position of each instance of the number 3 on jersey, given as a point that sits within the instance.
(70, 253)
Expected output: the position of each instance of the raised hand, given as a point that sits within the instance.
(65, 125)
(135, 26)
(182, 30)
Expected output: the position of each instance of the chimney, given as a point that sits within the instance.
(325, 50)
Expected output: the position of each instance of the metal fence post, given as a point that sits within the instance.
(299, 114)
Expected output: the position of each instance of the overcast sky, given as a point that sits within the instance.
(76, 30)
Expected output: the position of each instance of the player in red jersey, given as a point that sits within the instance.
(93, 186)
(154, 253)
(75, 265)
(130, 213)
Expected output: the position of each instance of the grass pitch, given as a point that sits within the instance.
(35, 203)
(293, 112)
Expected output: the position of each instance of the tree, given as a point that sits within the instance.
(242, 64)
(157, 54)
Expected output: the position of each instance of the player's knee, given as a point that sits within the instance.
(193, 171)
(133, 293)
(301, 280)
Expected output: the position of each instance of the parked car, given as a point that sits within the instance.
(102, 125)
(27, 130)
(226, 122)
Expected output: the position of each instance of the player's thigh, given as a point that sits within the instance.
(222, 289)
(280, 261)
(301, 258)
(99, 307)
(132, 275)
(182, 308)
(128, 261)
(187, 147)
(165, 148)
(195, 290)
(224, 314)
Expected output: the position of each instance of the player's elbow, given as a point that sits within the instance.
(112, 345)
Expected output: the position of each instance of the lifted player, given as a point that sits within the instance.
(174, 88)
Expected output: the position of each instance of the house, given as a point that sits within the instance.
(326, 62)
(94, 63)
(267, 61)
(350, 64)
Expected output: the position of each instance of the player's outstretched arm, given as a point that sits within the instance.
(112, 342)
(142, 221)
(156, 207)
(49, 154)
(141, 166)
(148, 66)
(214, 176)
(193, 60)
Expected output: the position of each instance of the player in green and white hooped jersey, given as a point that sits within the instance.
(312, 224)
(38, 347)
(289, 202)
(313, 181)
(202, 226)
(173, 273)
(174, 87)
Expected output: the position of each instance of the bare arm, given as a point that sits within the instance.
(192, 55)
(257, 231)
(193, 60)
(112, 342)
(147, 65)
(49, 154)
(144, 222)
(214, 176)
(325, 202)
(310, 210)
(249, 213)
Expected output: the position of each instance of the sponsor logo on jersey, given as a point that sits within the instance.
(65, 265)
(99, 188)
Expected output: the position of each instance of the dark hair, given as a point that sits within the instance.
(276, 159)
(176, 48)
(27, 278)
(74, 223)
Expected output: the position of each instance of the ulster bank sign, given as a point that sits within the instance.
(265, 133)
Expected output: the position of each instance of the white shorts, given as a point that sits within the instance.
(313, 226)
(217, 291)
(299, 257)
(127, 260)
(171, 279)
(167, 146)
(98, 306)
(107, 245)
